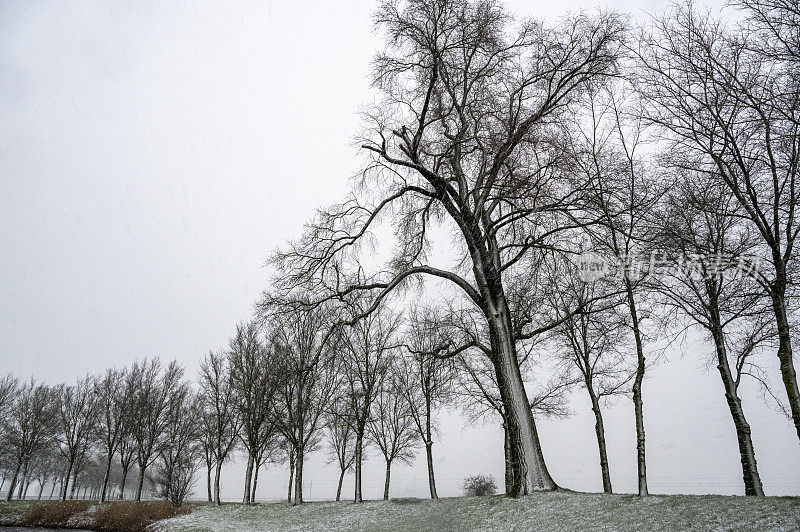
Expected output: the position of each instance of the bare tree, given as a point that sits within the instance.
(205, 434)
(45, 469)
(218, 401)
(29, 427)
(9, 386)
(605, 139)
(80, 472)
(366, 351)
(705, 227)
(391, 426)
(269, 447)
(591, 343)
(127, 443)
(476, 379)
(154, 389)
(463, 137)
(426, 379)
(112, 405)
(178, 451)
(77, 420)
(341, 439)
(254, 383)
(732, 112)
(303, 353)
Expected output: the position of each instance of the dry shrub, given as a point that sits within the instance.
(479, 486)
(55, 513)
(134, 516)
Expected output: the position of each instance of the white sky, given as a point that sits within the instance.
(153, 153)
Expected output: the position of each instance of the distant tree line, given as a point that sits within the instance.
(605, 188)
(280, 391)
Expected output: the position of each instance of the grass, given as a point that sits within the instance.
(15, 512)
(550, 511)
(109, 517)
(55, 513)
(544, 511)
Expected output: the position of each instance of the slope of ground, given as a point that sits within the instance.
(550, 511)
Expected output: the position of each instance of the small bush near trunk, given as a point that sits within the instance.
(479, 485)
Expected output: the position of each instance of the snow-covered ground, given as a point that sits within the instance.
(549, 511)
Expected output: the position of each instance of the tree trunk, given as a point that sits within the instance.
(23, 485)
(527, 459)
(359, 453)
(74, 484)
(208, 481)
(217, 474)
(531, 473)
(291, 476)
(122, 484)
(248, 478)
(428, 438)
(67, 476)
(752, 480)
(140, 484)
(298, 477)
(255, 482)
(339, 488)
(431, 477)
(638, 406)
(509, 477)
(105, 479)
(14, 478)
(41, 490)
(785, 351)
(386, 483)
(601, 438)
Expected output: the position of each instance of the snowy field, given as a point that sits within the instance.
(551, 511)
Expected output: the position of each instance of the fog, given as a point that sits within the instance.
(152, 155)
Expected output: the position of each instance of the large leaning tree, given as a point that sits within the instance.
(464, 137)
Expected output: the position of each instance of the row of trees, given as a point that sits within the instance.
(292, 380)
(79, 436)
(669, 152)
(529, 144)
(284, 386)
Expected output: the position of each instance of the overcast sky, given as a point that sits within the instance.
(153, 153)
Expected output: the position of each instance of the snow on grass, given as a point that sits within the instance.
(552, 511)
